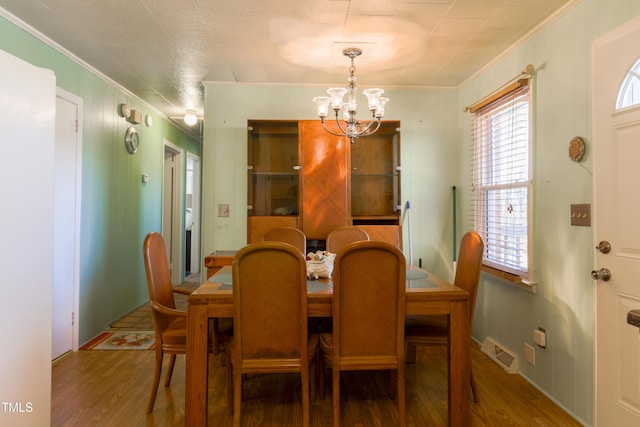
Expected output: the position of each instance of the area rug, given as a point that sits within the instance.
(122, 340)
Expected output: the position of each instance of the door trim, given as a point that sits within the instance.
(63, 94)
(176, 248)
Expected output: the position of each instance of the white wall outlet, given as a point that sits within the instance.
(540, 337)
(145, 178)
(530, 354)
(223, 211)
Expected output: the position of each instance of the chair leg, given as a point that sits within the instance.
(172, 362)
(410, 353)
(156, 379)
(335, 379)
(237, 396)
(227, 358)
(321, 376)
(473, 387)
(304, 383)
(402, 390)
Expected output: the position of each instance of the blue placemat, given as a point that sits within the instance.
(416, 274)
(224, 278)
(225, 281)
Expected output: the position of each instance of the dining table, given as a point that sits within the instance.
(425, 294)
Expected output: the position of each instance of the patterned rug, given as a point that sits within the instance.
(122, 340)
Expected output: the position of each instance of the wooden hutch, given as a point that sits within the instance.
(299, 175)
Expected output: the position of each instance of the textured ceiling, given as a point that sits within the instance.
(162, 50)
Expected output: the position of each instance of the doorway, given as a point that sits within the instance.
(172, 209)
(66, 217)
(192, 215)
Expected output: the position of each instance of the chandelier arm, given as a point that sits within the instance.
(344, 132)
(364, 132)
(332, 132)
(378, 121)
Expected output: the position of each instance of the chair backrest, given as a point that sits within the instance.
(290, 235)
(156, 265)
(469, 267)
(369, 304)
(159, 285)
(342, 236)
(270, 302)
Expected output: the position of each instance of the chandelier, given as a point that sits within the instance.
(350, 126)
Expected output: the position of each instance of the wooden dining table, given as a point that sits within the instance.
(425, 294)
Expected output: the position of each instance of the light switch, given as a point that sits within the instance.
(581, 215)
(223, 210)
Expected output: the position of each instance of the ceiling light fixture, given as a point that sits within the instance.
(190, 118)
(350, 126)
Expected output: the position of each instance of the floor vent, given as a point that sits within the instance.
(503, 357)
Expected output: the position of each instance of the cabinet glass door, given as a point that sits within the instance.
(375, 177)
(273, 168)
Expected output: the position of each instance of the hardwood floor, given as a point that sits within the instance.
(111, 388)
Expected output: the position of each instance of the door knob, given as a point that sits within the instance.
(603, 274)
(604, 247)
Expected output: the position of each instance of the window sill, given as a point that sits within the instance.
(514, 279)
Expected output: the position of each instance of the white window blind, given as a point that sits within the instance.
(501, 180)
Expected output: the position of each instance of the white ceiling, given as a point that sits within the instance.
(162, 50)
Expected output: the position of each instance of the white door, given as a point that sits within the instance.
(66, 225)
(616, 160)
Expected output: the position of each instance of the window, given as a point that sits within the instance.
(501, 179)
(629, 94)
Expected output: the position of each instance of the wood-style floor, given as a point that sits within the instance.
(111, 388)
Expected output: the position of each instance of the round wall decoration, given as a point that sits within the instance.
(576, 149)
(132, 140)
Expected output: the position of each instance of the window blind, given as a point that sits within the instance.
(501, 179)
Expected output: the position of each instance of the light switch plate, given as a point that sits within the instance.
(581, 215)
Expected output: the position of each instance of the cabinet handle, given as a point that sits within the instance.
(297, 167)
(249, 168)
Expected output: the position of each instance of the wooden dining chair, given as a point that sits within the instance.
(270, 318)
(169, 324)
(368, 318)
(290, 235)
(434, 329)
(342, 236)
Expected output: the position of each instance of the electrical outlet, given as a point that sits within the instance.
(530, 354)
(223, 211)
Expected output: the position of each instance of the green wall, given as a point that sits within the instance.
(118, 210)
(563, 254)
(428, 140)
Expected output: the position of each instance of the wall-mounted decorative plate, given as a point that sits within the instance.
(576, 149)
(132, 140)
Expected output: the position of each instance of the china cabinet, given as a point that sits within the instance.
(301, 176)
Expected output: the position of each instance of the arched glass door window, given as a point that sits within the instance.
(629, 93)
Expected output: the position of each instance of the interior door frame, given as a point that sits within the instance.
(176, 245)
(196, 259)
(79, 102)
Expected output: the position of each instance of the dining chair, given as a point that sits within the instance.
(434, 329)
(169, 324)
(270, 319)
(368, 318)
(290, 235)
(342, 236)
